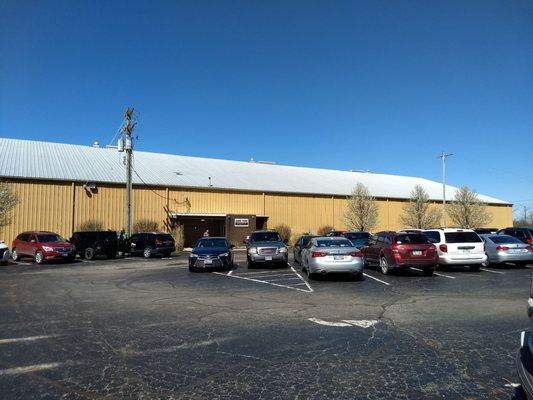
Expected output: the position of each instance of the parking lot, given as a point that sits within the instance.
(146, 329)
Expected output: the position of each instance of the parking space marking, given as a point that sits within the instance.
(255, 272)
(283, 279)
(30, 368)
(444, 276)
(494, 272)
(230, 272)
(301, 277)
(376, 279)
(26, 339)
(363, 323)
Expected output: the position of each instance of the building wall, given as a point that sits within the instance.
(63, 206)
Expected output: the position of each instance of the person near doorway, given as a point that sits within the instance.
(206, 233)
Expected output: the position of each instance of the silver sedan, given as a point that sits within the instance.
(326, 255)
(507, 249)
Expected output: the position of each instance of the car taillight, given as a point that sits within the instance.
(316, 254)
(502, 248)
(530, 240)
(158, 242)
(356, 253)
(443, 248)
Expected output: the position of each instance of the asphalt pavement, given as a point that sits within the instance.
(149, 329)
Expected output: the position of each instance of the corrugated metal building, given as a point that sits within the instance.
(51, 180)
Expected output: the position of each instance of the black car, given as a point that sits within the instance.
(94, 243)
(150, 243)
(211, 253)
(523, 234)
(485, 231)
(299, 245)
(358, 238)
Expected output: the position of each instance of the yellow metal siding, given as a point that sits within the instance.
(48, 206)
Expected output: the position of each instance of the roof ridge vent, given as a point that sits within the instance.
(267, 162)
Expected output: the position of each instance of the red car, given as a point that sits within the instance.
(393, 250)
(42, 246)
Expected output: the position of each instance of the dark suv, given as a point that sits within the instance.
(91, 244)
(150, 243)
(523, 234)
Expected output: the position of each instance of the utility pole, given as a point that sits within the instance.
(443, 157)
(126, 144)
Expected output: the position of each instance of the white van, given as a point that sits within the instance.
(458, 247)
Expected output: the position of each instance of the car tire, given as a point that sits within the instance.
(147, 252)
(475, 268)
(39, 258)
(384, 266)
(251, 264)
(88, 253)
(428, 271)
(357, 276)
(486, 263)
(15, 254)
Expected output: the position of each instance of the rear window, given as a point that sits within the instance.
(462, 237)
(333, 243)
(504, 239)
(165, 237)
(212, 243)
(357, 235)
(265, 237)
(306, 240)
(412, 238)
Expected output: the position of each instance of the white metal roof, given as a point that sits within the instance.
(67, 162)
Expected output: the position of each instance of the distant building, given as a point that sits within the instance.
(63, 185)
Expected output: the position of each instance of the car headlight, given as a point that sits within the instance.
(224, 255)
(193, 255)
(282, 249)
(252, 250)
(47, 248)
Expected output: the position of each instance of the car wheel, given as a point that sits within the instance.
(475, 268)
(39, 258)
(88, 254)
(147, 252)
(486, 263)
(357, 276)
(384, 265)
(251, 264)
(428, 271)
(15, 254)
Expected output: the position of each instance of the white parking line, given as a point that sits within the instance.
(230, 272)
(376, 279)
(283, 279)
(30, 368)
(26, 339)
(268, 276)
(444, 276)
(494, 272)
(309, 289)
(301, 277)
(255, 273)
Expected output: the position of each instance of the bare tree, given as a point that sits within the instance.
(8, 200)
(467, 211)
(417, 213)
(362, 210)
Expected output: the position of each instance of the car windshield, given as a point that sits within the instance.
(265, 237)
(462, 237)
(212, 243)
(412, 238)
(333, 243)
(50, 238)
(504, 239)
(357, 235)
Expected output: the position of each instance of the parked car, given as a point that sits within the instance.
(523, 234)
(299, 246)
(150, 243)
(332, 255)
(335, 233)
(211, 253)
(396, 250)
(504, 248)
(524, 356)
(358, 239)
(458, 247)
(42, 246)
(94, 243)
(266, 247)
(484, 231)
(4, 253)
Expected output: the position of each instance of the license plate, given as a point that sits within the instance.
(467, 251)
(268, 258)
(338, 257)
(417, 252)
(208, 262)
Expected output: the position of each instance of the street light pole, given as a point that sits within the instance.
(443, 157)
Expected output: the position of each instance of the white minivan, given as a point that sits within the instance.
(458, 247)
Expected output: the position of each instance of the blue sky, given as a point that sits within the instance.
(348, 84)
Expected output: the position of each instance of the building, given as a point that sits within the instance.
(61, 186)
